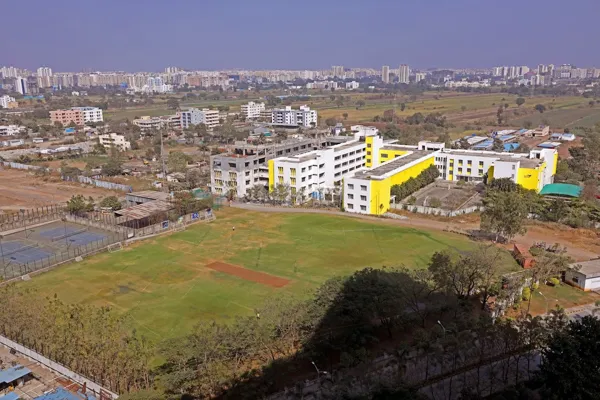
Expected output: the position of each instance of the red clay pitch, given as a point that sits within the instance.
(248, 274)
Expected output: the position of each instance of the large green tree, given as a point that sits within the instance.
(504, 214)
(570, 368)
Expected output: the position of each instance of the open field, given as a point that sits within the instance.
(20, 189)
(168, 284)
(563, 117)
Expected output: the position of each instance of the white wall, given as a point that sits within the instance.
(352, 196)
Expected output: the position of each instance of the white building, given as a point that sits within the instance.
(252, 109)
(13, 142)
(584, 275)
(90, 114)
(21, 85)
(352, 85)
(5, 100)
(194, 116)
(287, 116)
(147, 123)
(403, 73)
(420, 76)
(385, 74)
(115, 140)
(10, 130)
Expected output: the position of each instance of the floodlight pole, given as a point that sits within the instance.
(24, 221)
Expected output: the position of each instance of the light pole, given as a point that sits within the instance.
(545, 299)
(319, 373)
(440, 324)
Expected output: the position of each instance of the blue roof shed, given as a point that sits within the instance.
(12, 374)
(10, 396)
(63, 394)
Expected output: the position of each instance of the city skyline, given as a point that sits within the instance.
(124, 37)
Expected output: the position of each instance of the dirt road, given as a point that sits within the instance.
(581, 244)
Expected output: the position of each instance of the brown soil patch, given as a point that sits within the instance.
(248, 274)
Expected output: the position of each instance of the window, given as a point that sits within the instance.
(281, 180)
(368, 160)
(247, 182)
(292, 171)
(293, 190)
(468, 170)
(363, 198)
(363, 208)
(350, 206)
(337, 158)
(350, 196)
(363, 188)
(459, 170)
(384, 155)
(280, 170)
(481, 163)
(303, 179)
(480, 172)
(304, 169)
(368, 153)
(469, 163)
(337, 166)
(460, 162)
(350, 186)
(513, 167)
(368, 145)
(293, 181)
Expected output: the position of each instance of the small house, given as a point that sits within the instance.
(14, 377)
(523, 256)
(584, 275)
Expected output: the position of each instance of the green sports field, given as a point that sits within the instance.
(164, 283)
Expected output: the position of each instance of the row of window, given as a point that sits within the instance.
(349, 154)
(362, 187)
(350, 206)
(362, 197)
(358, 159)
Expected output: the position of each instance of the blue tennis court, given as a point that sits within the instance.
(12, 252)
(57, 232)
(81, 239)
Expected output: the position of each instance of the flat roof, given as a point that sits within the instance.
(12, 374)
(145, 210)
(345, 146)
(394, 164)
(399, 147)
(151, 194)
(10, 396)
(63, 394)
(591, 268)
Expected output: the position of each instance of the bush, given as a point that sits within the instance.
(554, 281)
(536, 286)
(435, 202)
(526, 295)
(407, 188)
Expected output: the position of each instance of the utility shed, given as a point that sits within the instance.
(561, 190)
(584, 275)
(63, 394)
(14, 376)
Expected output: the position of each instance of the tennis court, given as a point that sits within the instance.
(41, 246)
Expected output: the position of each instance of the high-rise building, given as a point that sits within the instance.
(171, 70)
(338, 71)
(44, 71)
(385, 74)
(498, 71)
(9, 72)
(420, 76)
(252, 109)
(403, 73)
(542, 69)
(513, 72)
(523, 70)
(5, 101)
(21, 85)
(287, 116)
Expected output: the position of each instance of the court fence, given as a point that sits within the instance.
(10, 270)
(24, 218)
(98, 183)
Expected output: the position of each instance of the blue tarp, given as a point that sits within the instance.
(62, 394)
(511, 146)
(10, 396)
(12, 374)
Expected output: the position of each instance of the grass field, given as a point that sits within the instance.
(166, 287)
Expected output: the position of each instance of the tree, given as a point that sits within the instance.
(498, 145)
(540, 108)
(504, 214)
(330, 122)
(345, 115)
(177, 161)
(568, 371)
(193, 177)
(173, 103)
(402, 106)
(520, 101)
(78, 205)
(113, 167)
(111, 202)
(360, 103)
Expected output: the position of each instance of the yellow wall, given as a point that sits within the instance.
(529, 178)
(369, 149)
(490, 174)
(271, 164)
(555, 163)
(380, 190)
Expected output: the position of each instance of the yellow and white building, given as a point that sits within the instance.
(367, 168)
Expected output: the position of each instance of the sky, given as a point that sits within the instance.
(149, 35)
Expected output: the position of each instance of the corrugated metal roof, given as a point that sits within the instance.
(561, 189)
(10, 396)
(151, 194)
(145, 210)
(63, 394)
(12, 374)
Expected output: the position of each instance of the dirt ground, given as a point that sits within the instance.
(20, 189)
(248, 274)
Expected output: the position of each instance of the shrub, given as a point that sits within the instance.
(554, 281)
(536, 286)
(409, 187)
(526, 295)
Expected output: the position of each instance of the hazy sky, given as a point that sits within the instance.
(133, 35)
